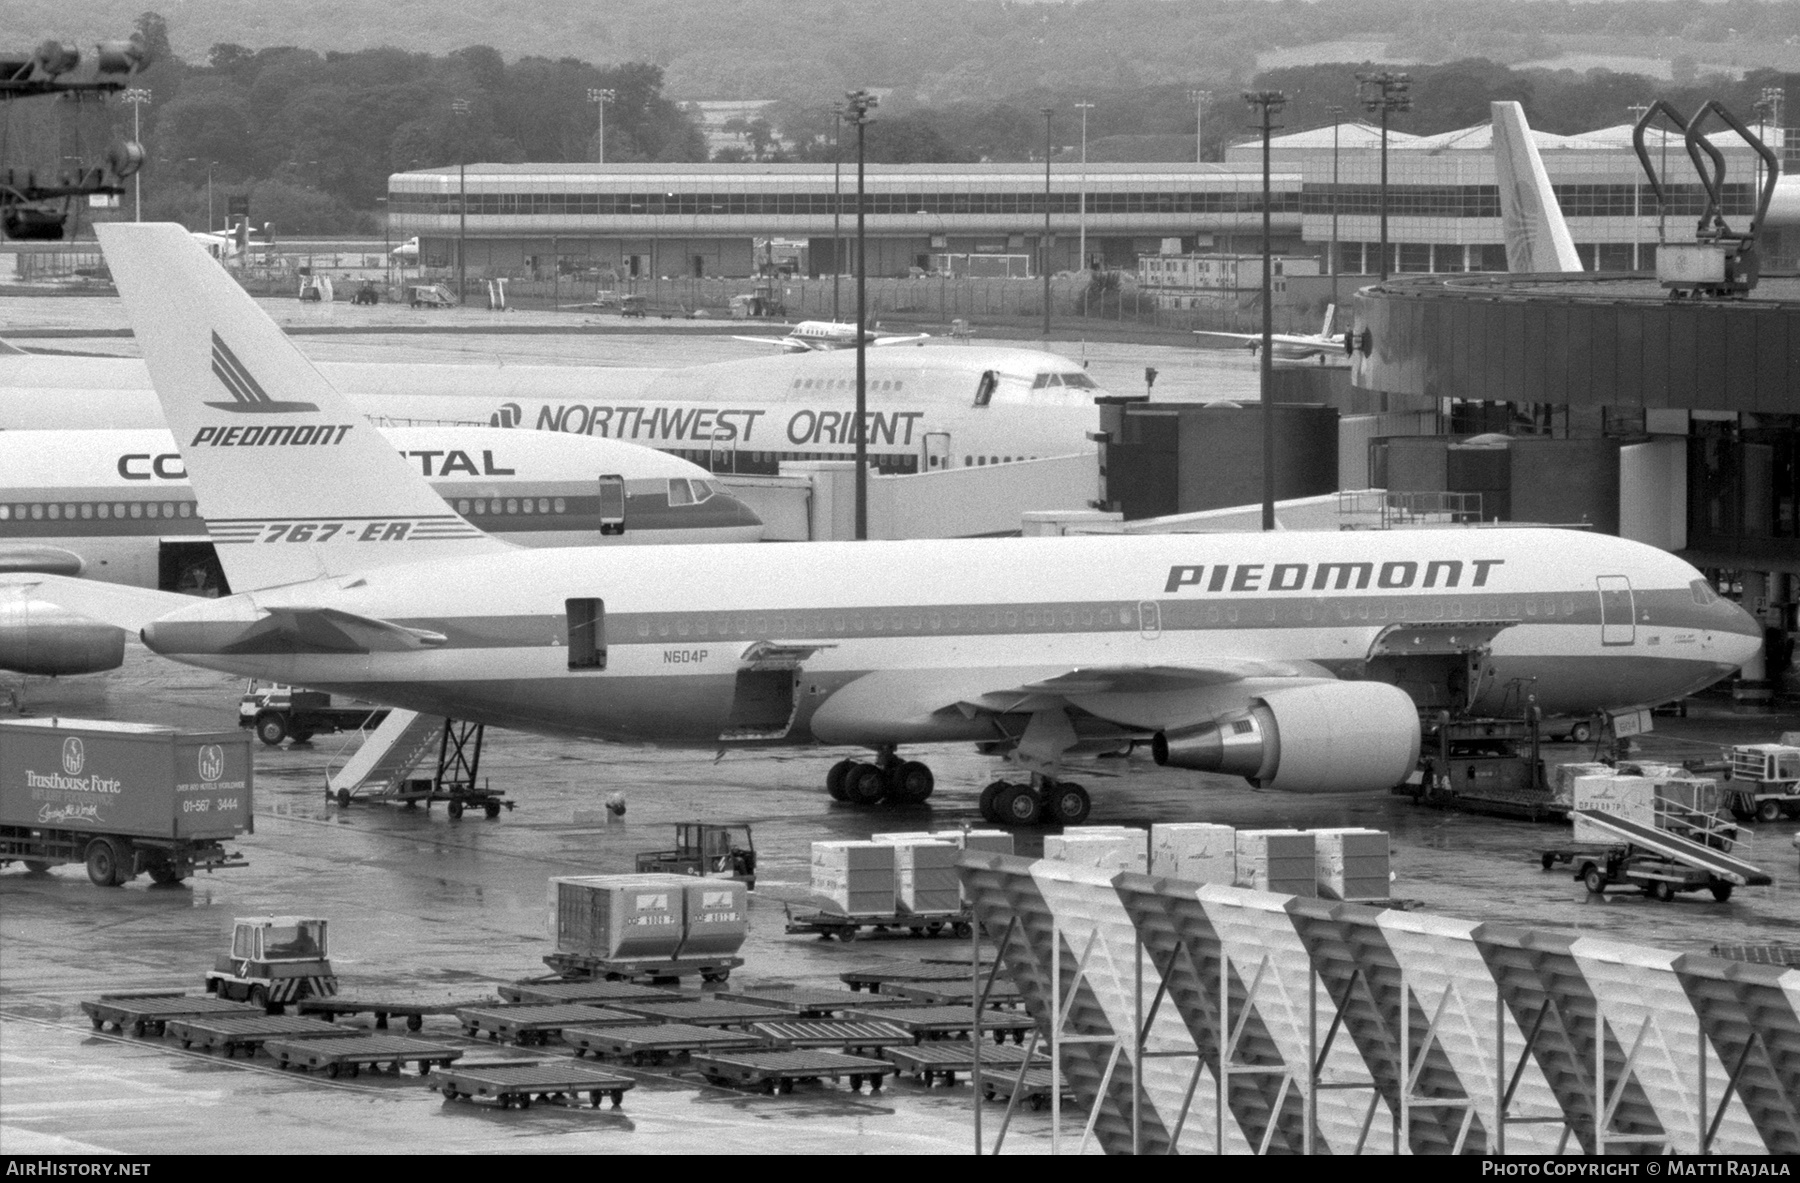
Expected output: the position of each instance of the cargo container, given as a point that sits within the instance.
(124, 798)
(925, 877)
(1194, 852)
(855, 878)
(1277, 860)
(1114, 848)
(1352, 863)
(619, 916)
(717, 919)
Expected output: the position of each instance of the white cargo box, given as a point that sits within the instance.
(1562, 780)
(1112, 849)
(925, 875)
(1277, 860)
(992, 841)
(855, 878)
(718, 917)
(1352, 863)
(1194, 852)
(1632, 798)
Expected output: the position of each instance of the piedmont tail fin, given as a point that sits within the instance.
(1330, 315)
(1537, 238)
(292, 480)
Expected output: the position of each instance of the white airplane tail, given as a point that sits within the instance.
(1330, 315)
(1537, 238)
(292, 480)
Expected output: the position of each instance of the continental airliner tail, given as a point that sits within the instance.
(293, 482)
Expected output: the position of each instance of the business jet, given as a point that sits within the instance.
(1293, 346)
(929, 408)
(811, 335)
(117, 506)
(1297, 660)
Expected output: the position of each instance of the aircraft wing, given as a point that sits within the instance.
(789, 344)
(111, 603)
(909, 339)
(1304, 341)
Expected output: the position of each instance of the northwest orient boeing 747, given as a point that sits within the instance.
(1299, 661)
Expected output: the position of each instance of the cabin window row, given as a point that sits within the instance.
(484, 507)
(56, 511)
(835, 624)
(884, 385)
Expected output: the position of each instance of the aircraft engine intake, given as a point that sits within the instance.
(1319, 737)
(40, 638)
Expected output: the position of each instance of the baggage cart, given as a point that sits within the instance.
(959, 992)
(518, 1086)
(801, 1001)
(653, 970)
(873, 978)
(926, 1023)
(943, 1059)
(868, 1035)
(594, 991)
(140, 1015)
(227, 1033)
(696, 1012)
(1033, 1086)
(413, 1010)
(846, 928)
(339, 1057)
(654, 1043)
(526, 1024)
(778, 1072)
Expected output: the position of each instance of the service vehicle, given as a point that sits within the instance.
(124, 798)
(274, 960)
(277, 712)
(1763, 781)
(712, 851)
(430, 295)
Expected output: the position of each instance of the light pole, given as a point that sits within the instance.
(1084, 108)
(1049, 113)
(1270, 103)
(1637, 112)
(837, 204)
(859, 104)
(1336, 113)
(1385, 92)
(1199, 98)
(137, 96)
(600, 96)
(460, 108)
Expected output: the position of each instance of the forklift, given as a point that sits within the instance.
(707, 850)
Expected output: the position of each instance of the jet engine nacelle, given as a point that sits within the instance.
(1321, 737)
(40, 638)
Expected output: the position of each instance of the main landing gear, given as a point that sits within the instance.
(887, 779)
(1043, 801)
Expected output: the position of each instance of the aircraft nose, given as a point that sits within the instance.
(1741, 636)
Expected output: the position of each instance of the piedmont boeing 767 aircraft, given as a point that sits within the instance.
(1299, 661)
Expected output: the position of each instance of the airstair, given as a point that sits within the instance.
(387, 757)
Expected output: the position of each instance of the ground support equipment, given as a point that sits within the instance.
(653, 1043)
(526, 1024)
(592, 991)
(696, 1012)
(1772, 954)
(850, 1035)
(413, 1011)
(336, 1057)
(1033, 1088)
(516, 1087)
(826, 925)
(141, 1014)
(960, 992)
(944, 1058)
(228, 1033)
(660, 970)
(801, 1001)
(778, 1072)
(1653, 860)
(926, 1023)
(875, 977)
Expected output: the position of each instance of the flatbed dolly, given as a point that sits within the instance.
(849, 1035)
(517, 1087)
(802, 1001)
(1033, 1088)
(874, 978)
(595, 991)
(412, 1010)
(778, 1072)
(925, 1023)
(228, 1033)
(653, 1043)
(335, 1057)
(140, 1014)
(696, 1012)
(526, 1023)
(826, 925)
(574, 966)
(943, 1059)
(959, 992)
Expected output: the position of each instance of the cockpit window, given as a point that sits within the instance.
(1081, 380)
(1043, 380)
(702, 490)
(679, 493)
(1703, 592)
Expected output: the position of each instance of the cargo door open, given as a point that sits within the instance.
(763, 702)
(1441, 664)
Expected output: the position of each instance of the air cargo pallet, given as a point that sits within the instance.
(383, 1009)
(801, 1001)
(527, 1023)
(227, 1034)
(960, 992)
(875, 977)
(826, 925)
(695, 1012)
(574, 966)
(777, 1072)
(591, 991)
(958, 1022)
(1033, 1088)
(943, 1059)
(653, 1043)
(334, 1056)
(140, 1014)
(850, 1035)
(517, 1087)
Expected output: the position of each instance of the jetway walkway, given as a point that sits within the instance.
(1200, 1019)
(1674, 846)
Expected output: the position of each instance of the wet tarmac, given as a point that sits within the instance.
(453, 908)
